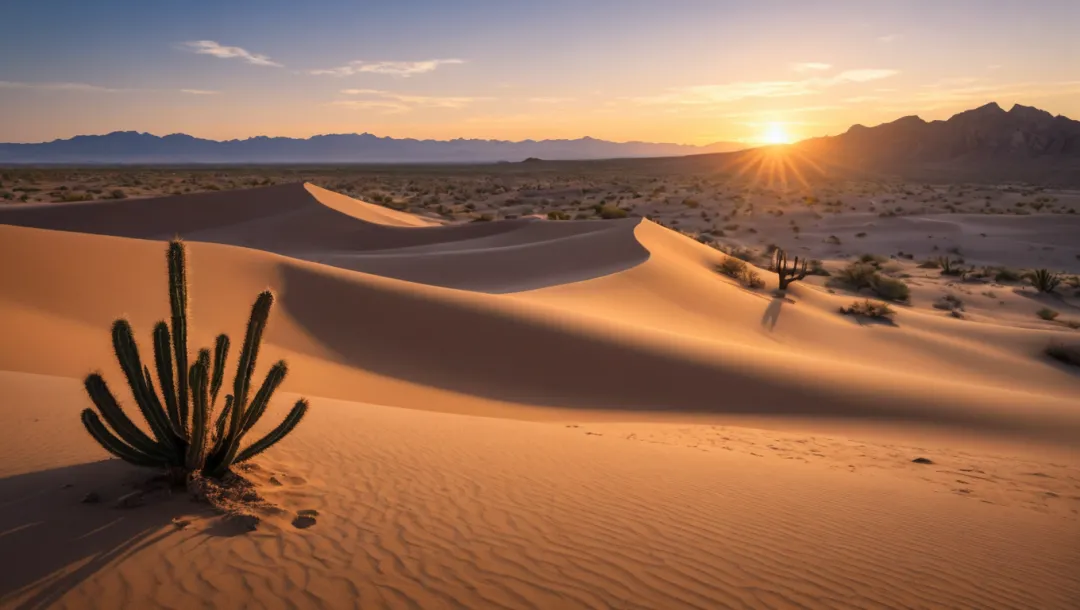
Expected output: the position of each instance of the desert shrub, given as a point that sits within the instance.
(818, 268)
(732, 267)
(857, 275)
(1005, 275)
(557, 215)
(860, 276)
(1047, 314)
(1044, 280)
(930, 264)
(610, 212)
(832, 239)
(889, 288)
(869, 309)
(949, 302)
(483, 218)
(1068, 354)
(185, 441)
(118, 194)
(951, 266)
(751, 279)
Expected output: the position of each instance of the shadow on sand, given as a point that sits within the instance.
(51, 540)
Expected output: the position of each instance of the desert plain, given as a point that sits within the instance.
(560, 385)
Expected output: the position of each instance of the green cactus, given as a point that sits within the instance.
(787, 276)
(179, 421)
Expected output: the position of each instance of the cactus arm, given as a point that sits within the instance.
(178, 307)
(274, 377)
(284, 428)
(113, 415)
(114, 445)
(164, 364)
(198, 385)
(223, 418)
(260, 312)
(221, 353)
(127, 353)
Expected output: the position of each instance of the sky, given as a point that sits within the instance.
(686, 71)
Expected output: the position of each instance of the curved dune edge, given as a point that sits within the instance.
(307, 222)
(667, 336)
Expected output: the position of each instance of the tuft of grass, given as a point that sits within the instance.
(869, 309)
(732, 267)
(1044, 280)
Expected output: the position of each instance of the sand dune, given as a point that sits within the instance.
(552, 331)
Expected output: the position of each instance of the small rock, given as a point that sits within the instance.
(922, 460)
(91, 498)
(275, 481)
(130, 500)
(303, 522)
(181, 523)
(308, 512)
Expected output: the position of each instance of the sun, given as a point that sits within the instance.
(776, 134)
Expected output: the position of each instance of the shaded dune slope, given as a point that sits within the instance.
(665, 336)
(307, 222)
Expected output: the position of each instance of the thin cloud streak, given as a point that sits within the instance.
(402, 69)
(700, 95)
(810, 66)
(392, 102)
(215, 49)
(199, 92)
(56, 86)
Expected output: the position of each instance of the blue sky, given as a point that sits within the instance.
(682, 71)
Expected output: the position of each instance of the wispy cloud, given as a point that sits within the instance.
(199, 92)
(403, 69)
(702, 95)
(55, 86)
(550, 100)
(209, 47)
(392, 102)
(810, 66)
(863, 76)
(886, 39)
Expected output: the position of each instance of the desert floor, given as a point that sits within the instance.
(524, 412)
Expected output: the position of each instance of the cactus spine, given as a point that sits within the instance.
(180, 424)
(796, 272)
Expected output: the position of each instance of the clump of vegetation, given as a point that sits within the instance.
(1048, 314)
(186, 441)
(818, 268)
(610, 212)
(953, 267)
(787, 274)
(557, 215)
(1044, 280)
(1005, 275)
(739, 270)
(865, 276)
(949, 302)
(869, 309)
(1068, 354)
(732, 267)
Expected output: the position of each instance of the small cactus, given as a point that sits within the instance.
(788, 275)
(180, 421)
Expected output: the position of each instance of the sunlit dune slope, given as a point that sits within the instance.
(667, 335)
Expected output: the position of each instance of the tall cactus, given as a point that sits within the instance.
(796, 272)
(184, 437)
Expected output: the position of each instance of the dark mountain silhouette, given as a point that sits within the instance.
(986, 143)
(129, 147)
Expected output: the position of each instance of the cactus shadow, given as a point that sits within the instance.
(51, 540)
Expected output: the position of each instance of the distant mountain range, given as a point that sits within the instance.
(986, 143)
(130, 147)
